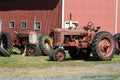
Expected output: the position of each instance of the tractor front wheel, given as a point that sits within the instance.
(33, 50)
(59, 54)
(103, 46)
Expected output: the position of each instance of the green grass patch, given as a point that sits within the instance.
(43, 62)
(35, 66)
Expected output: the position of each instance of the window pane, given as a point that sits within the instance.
(37, 25)
(24, 25)
(11, 24)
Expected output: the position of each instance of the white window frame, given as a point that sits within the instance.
(22, 26)
(0, 25)
(12, 27)
(36, 25)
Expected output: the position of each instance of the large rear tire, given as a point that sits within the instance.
(6, 41)
(45, 44)
(103, 46)
(5, 44)
(4, 52)
(117, 43)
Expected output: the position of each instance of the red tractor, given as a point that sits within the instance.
(32, 44)
(80, 43)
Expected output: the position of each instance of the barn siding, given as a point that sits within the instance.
(46, 11)
(119, 17)
(101, 12)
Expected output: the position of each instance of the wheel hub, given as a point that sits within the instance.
(60, 56)
(105, 47)
(31, 51)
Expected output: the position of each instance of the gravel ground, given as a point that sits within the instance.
(96, 72)
(74, 78)
(65, 71)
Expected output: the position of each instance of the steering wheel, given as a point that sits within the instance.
(90, 25)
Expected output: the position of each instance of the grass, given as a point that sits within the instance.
(40, 66)
(43, 62)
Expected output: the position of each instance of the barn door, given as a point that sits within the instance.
(0, 25)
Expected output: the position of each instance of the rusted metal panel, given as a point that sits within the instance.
(101, 12)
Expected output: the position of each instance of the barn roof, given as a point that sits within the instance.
(28, 4)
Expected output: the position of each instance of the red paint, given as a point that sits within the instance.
(101, 12)
(119, 17)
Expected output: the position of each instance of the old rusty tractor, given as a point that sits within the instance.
(32, 44)
(82, 43)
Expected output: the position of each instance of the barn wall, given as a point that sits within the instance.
(46, 11)
(101, 12)
(119, 17)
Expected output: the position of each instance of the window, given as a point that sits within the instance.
(37, 26)
(24, 25)
(12, 24)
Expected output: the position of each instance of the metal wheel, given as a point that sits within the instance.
(59, 54)
(33, 50)
(103, 46)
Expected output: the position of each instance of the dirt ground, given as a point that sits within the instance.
(112, 69)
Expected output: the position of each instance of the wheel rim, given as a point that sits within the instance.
(106, 47)
(32, 51)
(60, 56)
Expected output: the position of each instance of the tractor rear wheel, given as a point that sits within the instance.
(45, 44)
(59, 54)
(6, 41)
(5, 44)
(4, 52)
(103, 46)
(117, 43)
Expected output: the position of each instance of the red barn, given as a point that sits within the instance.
(44, 15)
(104, 13)
(33, 15)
